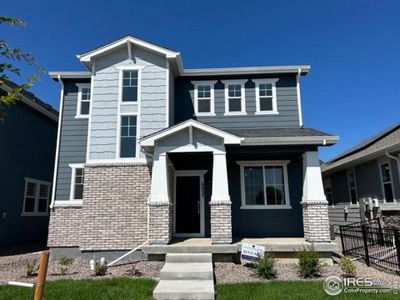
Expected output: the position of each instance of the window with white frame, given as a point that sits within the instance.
(351, 180)
(266, 100)
(386, 178)
(264, 184)
(36, 197)
(129, 85)
(204, 98)
(235, 101)
(328, 191)
(77, 182)
(83, 108)
(128, 136)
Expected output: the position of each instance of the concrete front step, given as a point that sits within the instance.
(184, 289)
(187, 271)
(188, 258)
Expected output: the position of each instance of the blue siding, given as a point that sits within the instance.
(28, 150)
(73, 140)
(286, 99)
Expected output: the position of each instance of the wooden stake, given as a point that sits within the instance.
(41, 278)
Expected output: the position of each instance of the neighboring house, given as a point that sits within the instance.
(149, 151)
(28, 143)
(368, 170)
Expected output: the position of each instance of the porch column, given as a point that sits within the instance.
(220, 204)
(315, 206)
(159, 202)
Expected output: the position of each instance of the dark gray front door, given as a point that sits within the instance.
(187, 205)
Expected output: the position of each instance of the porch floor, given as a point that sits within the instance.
(199, 245)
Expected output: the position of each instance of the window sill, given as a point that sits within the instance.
(266, 207)
(235, 114)
(82, 117)
(266, 113)
(68, 203)
(135, 102)
(204, 114)
(34, 214)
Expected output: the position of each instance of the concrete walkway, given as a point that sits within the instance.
(186, 276)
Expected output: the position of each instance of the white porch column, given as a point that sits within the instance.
(315, 206)
(220, 204)
(160, 223)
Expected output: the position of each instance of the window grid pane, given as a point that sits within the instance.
(130, 85)
(128, 136)
(254, 186)
(78, 184)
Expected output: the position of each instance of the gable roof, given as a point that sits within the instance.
(33, 101)
(149, 140)
(386, 139)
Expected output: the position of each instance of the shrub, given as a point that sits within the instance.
(348, 267)
(309, 264)
(100, 269)
(30, 268)
(64, 263)
(265, 266)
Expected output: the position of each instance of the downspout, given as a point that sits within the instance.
(397, 160)
(299, 97)
(53, 192)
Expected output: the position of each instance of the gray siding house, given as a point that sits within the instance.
(149, 151)
(364, 181)
(28, 142)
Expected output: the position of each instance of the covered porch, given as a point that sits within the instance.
(198, 188)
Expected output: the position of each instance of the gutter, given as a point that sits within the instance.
(307, 140)
(53, 191)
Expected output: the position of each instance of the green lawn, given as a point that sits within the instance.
(116, 288)
(287, 290)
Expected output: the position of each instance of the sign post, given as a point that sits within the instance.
(251, 253)
(41, 279)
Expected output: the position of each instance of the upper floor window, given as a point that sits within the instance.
(328, 191)
(386, 178)
(77, 179)
(204, 98)
(235, 100)
(264, 184)
(129, 85)
(266, 102)
(352, 187)
(83, 108)
(36, 197)
(128, 136)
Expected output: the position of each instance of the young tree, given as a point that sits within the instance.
(9, 60)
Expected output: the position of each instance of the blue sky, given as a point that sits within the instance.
(352, 46)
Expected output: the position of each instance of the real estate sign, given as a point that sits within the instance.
(251, 252)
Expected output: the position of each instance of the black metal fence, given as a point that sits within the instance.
(369, 240)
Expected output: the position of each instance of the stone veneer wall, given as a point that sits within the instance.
(114, 212)
(160, 223)
(316, 221)
(221, 222)
(64, 227)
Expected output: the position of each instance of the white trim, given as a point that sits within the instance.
(38, 183)
(299, 97)
(90, 110)
(191, 173)
(72, 186)
(79, 114)
(127, 160)
(228, 138)
(243, 97)
(271, 81)
(167, 104)
(246, 70)
(68, 203)
(210, 83)
(383, 183)
(352, 170)
(87, 56)
(55, 171)
(295, 140)
(264, 163)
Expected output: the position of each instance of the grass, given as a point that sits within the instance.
(286, 290)
(115, 288)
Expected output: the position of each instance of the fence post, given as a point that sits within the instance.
(397, 243)
(365, 238)
(41, 279)
(381, 240)
(342, 240)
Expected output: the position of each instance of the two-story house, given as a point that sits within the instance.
(149, 151)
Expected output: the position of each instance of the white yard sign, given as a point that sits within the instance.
(251, 252)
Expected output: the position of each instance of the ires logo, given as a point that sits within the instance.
(334, 285)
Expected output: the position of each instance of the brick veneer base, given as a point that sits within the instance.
(221, 222)
(160, 223)
(64, 227)
(316, 221)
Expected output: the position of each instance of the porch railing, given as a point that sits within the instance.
(370, 241)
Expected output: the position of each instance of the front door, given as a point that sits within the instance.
(189, 205)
